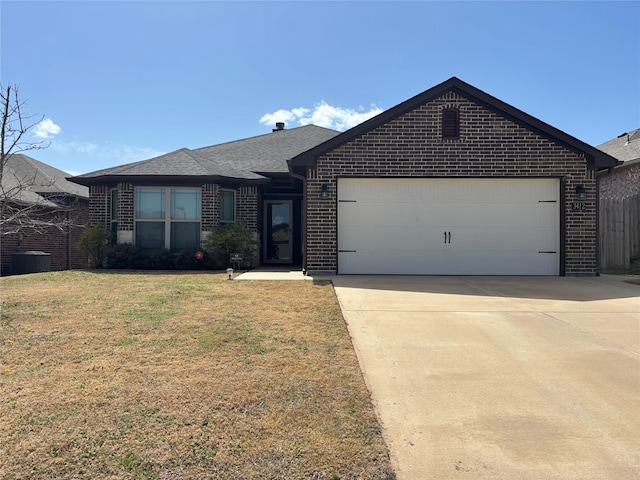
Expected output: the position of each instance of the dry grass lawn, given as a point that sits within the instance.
(180, 376)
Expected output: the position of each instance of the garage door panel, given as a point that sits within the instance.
(447, 214)
(449, 226)
(404, 263)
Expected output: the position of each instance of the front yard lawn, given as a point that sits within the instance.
(180, 376)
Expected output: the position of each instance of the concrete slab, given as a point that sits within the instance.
(501, 377)
(277, 273)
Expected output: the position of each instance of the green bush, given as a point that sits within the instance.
(187, 260)
(123, 255)
(93, 243)
(160, 259)
(232, 238)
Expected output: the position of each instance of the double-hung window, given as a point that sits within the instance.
(168, 218)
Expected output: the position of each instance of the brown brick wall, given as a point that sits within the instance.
(489, 146)
(61, 244)
(99, 204)
(210, 202)
(621, 183)
(247, 206)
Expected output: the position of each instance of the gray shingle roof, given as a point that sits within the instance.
(625, 147)
(246, 159)
(28, 180)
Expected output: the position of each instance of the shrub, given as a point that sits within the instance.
(93, 243)
(187, 260)
(123, 255)
(161, 259)
(232, 238)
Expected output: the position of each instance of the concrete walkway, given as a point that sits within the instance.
(501, 377)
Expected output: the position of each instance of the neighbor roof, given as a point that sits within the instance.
(595, 158)
(625, 147)
(249, 159)
(28, 180)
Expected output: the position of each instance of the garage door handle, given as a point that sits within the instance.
(447, 237)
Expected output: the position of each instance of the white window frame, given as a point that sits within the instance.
(167, 220)
(235, 197)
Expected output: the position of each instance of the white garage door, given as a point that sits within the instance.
(449, 226)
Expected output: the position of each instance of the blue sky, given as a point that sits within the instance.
(122, 81)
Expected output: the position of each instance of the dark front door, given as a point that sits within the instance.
(278, 231)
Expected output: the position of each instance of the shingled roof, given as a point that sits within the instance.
(249, 159)
(625, 147)
(29, 181)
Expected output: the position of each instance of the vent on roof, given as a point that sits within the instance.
(279, 126)
(450, 123)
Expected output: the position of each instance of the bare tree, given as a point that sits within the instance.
(28, 197)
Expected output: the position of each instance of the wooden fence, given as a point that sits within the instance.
(619, 233)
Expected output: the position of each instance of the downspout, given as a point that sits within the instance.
(303, 179)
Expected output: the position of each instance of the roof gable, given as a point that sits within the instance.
(595, 158)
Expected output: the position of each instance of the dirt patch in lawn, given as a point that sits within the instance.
(171, 376)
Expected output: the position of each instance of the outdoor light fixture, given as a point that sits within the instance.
(581, 193)
(230, 273)
(324, 191)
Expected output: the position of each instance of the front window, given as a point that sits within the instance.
(168, 218)
(227, 206)
(114, 216)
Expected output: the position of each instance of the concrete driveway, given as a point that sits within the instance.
(501, 377)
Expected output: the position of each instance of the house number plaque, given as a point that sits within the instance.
(579, 206)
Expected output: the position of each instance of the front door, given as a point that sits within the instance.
(278, 231)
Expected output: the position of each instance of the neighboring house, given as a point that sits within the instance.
(452, 181)
(172, 201)
(53, 213)
(624, 180)
(619, 194)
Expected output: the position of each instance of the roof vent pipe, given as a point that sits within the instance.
(279, 126)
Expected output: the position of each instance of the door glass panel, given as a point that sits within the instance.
(278, 232)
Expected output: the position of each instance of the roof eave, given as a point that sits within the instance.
(162, 179)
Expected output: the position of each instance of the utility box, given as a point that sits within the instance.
(30, 262)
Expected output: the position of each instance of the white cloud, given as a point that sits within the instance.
(46, 129)
(79, 147)
(322, 115)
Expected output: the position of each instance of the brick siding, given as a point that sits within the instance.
(61, 244)
(621, 183)
(247, 206)
(489, 145)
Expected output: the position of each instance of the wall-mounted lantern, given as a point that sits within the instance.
(581, 193)
(324, 191)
